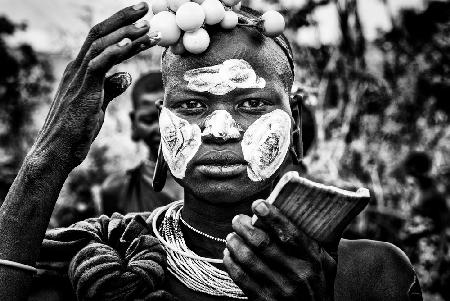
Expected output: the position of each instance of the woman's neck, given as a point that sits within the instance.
(212, 219)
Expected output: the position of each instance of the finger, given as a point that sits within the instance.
(267, 250)
(136, 34)
(258, 239)
(143, 43)
(289, 278)
(93, 82)
(119, 52)
(279, 226)
(132, 32)
(115, 85)
(120, 19)
(255, 266)
(252, 289)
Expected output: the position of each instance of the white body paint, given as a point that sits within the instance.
(220, 124)
(265, 144)
(180, 141)
(223, 78)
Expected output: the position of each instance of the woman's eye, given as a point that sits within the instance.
(253, 103)
(191, 104)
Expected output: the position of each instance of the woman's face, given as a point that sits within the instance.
(226, 121)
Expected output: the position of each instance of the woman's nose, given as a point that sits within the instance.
(220, 127)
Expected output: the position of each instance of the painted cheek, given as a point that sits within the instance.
(220, 124)
(265, 144)
(180, 141)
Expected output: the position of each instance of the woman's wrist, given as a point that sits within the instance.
(30, 200)
(41, 161)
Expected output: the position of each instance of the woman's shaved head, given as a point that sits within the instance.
(270, 58)
(223, 130)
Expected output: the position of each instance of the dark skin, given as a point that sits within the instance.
(74, 120)
(271, 261)
(274, 261)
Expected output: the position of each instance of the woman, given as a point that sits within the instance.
(215, 104)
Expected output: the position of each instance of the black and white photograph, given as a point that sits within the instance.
(220, 150)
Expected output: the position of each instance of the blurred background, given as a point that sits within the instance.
(375, 76)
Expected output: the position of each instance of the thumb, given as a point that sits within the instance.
(115, 85)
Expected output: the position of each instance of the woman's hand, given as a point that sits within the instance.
(277, 261)
(77, 112)
(75, 118)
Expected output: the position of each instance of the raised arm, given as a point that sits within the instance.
(74, 120)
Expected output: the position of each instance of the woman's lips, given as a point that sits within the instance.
(221, 170)
(223, 163)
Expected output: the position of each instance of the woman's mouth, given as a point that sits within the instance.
(221, 164)
(222, 170)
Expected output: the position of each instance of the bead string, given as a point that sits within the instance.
(202, 233)
(192, 270)
(167, 245)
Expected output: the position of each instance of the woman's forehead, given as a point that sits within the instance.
(238, 48)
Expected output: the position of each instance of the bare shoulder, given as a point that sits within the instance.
(374, 253)
(372, 270)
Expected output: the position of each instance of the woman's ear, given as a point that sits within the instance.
(296, 149)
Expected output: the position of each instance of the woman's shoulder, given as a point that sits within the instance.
(371, 251)
(374, 269)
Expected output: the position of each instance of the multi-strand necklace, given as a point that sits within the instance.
(194, 271)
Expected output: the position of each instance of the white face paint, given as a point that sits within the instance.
(223, 78)
(265, 144)
(180, 141)
(220, 124)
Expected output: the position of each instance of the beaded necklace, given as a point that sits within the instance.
(201, 233)
(195, 272)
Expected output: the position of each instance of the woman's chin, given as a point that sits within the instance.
(226, 190)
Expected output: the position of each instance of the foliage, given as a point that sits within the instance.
(368, 122)
(25, 82)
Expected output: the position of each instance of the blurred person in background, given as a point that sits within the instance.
(76, 202)
(132, 190)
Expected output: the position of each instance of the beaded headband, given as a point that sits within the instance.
(280, 39)
(172, 17)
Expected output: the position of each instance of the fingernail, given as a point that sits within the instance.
(226, 252)
(229, 236)
(235, 219)
(141, 24)
(124, 42)
(262, 209)
(155, 37)
(139, 6)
